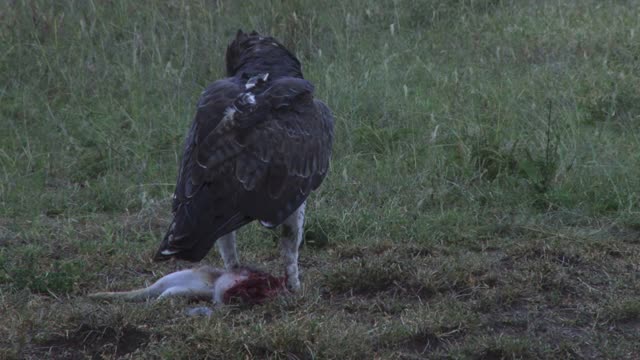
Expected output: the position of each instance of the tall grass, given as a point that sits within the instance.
(504, 128)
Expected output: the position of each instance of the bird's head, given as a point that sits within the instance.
(252, 54)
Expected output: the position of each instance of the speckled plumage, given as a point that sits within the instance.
(258, 145)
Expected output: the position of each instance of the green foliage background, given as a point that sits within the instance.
(482, 201)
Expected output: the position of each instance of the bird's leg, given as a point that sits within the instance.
(290, 240)
(227, 247)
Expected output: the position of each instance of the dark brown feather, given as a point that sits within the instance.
(253, 151)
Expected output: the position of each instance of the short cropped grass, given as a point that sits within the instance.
(482, 203)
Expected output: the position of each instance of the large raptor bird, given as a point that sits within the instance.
(259, 144)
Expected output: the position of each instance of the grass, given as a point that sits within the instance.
(482, 204)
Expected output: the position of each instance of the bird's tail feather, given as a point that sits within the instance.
(191, 237)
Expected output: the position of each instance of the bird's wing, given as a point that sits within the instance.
(211, 107)
(203, 210)
(285, 149)
(257, 154)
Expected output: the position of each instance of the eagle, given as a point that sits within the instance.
(258, 145)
